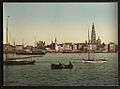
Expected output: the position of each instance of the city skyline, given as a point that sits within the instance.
(66, 22)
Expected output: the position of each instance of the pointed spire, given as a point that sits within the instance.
(55, 40)
(93, 34)
(93, 26)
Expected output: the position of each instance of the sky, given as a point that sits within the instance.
(68, 22)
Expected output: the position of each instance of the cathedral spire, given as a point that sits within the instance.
(93, 35)
(93, 27)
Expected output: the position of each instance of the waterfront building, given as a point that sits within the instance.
(105, 48)
(80, 46)
(48, 49)
(50, 46)
(67, 46)
(41, 45)
(112, 47)
(28, 48)
(93, 35)
(34, 49)
(100, 48)
(93, 47)
(85, 48)
(74, 46)
(35, 44)
(60, 47)
(98, 41)
(8, 47)
(19, 47)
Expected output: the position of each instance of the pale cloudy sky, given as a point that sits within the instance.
(68, 22)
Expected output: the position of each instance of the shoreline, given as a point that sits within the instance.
(65, 52)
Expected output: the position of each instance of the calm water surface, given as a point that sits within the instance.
(82, 74)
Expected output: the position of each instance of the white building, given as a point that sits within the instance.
(8, 47)
(80, 45)
(28, 48)
(112, 47)
(93, 47)
(74, 46)
(67, 46)
(105, 48)
(60, 48)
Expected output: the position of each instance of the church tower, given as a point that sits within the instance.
(56, 47)
(98, 41)
(93, 35)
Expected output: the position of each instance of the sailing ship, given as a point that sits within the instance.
(14, 61)
(93, 60)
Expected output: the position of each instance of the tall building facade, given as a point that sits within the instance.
(93, 35)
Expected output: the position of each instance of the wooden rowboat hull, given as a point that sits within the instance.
(18, 62)
(56, 66)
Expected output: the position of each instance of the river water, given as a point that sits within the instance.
(82, 74)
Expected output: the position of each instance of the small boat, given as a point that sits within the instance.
(15, 61)
(62, 66)
(94, 61)
(18, 62)
(18, 58)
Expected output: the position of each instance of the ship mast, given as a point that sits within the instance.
(7, 37)
(88, 46)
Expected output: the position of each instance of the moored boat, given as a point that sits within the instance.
(14, 61)
(93, 60)
(18, 62)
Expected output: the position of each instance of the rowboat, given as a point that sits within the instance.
(62, 66)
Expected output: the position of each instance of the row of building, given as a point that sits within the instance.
(64, 47)
(21, 48)
(82, 47)
(93, 44)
